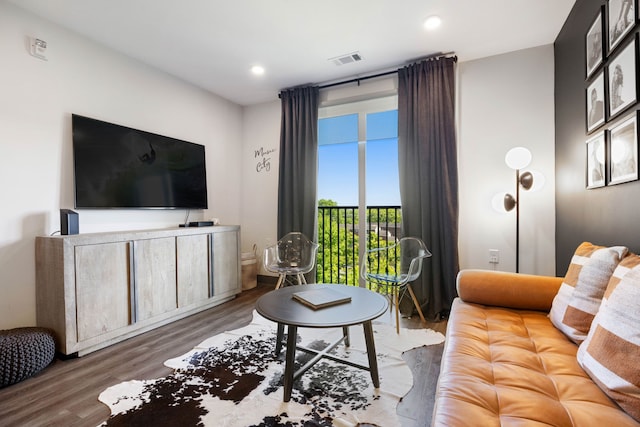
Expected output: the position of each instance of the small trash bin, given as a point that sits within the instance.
(249, 270)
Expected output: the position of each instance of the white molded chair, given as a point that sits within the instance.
(378, 267)
(293, 255)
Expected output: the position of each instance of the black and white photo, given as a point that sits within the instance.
(621, 74)
(595, 103)
(621, 19)
(594, 45)
(596, 161)
(623, 151)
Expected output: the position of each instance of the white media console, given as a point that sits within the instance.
(96, 289)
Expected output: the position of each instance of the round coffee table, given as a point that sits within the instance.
(280, 307)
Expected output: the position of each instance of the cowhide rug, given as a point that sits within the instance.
(234, 379)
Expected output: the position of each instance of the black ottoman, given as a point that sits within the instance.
(24, 352)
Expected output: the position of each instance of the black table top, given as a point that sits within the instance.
(279, 306)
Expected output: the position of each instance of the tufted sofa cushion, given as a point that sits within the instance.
(23, 353)
(511, 367)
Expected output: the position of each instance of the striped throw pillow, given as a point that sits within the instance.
(611, 352)
(580, 294)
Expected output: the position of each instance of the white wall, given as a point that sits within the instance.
(37, 99)
(503, 101)
(260, 163)
(506, 101)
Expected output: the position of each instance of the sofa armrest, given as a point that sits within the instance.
(513, 290)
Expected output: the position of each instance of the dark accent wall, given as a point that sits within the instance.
(609, 215)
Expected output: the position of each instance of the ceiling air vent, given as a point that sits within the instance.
(347, 59)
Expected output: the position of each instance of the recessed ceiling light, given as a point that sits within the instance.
(257, 70)
(432, 22)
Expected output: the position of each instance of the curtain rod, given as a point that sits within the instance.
(387, 73)
(357, 79)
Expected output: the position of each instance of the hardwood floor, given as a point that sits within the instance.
(66, 392)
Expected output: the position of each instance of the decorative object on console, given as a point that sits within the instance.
(68, 222)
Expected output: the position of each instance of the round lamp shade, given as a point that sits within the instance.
(526, 180)
(518, 158)
(497, 203)
(538, 180)
(432, 22)
(509, 202)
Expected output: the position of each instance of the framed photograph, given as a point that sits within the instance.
(621, 19)
(623, 151)
(594, 44)
(595, 103)
(596, 161)
(621, 73)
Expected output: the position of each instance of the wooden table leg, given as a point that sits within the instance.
(292, 332)
(371, 353)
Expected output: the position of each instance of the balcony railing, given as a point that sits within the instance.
(339, 231)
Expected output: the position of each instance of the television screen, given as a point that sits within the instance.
(120, 167)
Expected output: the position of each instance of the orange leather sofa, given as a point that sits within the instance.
(506, 364)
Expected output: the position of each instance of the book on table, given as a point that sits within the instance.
(320, 298)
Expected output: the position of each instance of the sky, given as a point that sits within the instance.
(338, 159)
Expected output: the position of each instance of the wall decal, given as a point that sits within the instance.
(264, 159)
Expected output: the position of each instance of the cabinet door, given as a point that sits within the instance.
(155, 277)
(226, 263)
(193, 269)
(102, 288)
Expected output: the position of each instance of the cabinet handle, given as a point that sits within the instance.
(211, 266)
(133, 291)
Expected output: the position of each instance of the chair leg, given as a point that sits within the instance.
(415, 301)
(280, 280)
(396, 303)
(345, 334)
(301, 279)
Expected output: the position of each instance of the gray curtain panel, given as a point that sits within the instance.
(429, 176)
(298, 161)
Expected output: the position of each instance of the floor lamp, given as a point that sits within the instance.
(518, 158)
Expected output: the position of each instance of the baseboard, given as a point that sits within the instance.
(270, 280)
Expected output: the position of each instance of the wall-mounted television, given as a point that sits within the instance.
(120, 167)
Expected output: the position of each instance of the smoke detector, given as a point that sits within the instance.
(38, 48)
(346, 59)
